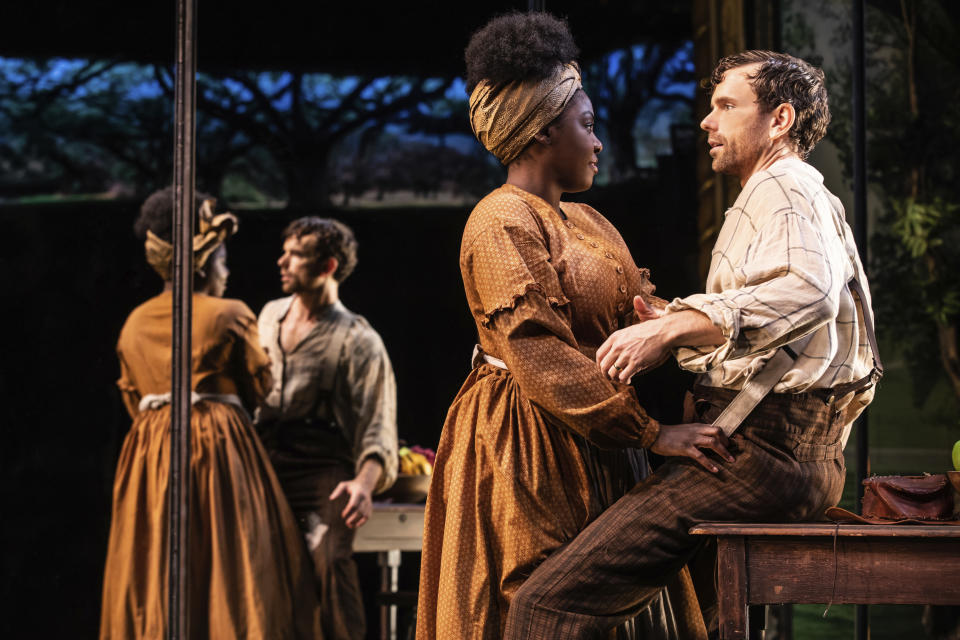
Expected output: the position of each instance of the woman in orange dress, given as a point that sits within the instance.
(538, 441)
(249, 576)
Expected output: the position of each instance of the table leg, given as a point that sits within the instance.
(389, 562)
(732, 587)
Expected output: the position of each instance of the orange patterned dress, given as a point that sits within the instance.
(518, 471)
(250, 576)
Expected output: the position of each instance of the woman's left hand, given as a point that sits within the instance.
(637, 348)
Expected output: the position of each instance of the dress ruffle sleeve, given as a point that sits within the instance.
(128, 392)
(253, 376)
(527, 318)
(508, 261)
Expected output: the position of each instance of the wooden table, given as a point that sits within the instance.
(391, 529)
(819, 563)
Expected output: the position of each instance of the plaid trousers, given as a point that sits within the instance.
(789, 467)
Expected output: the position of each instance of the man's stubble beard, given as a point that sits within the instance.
(738, 158)
(293, 287)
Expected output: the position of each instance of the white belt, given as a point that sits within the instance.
(157, 400)
(479, 356)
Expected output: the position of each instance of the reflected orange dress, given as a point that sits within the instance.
(519, 471)
(249, 576)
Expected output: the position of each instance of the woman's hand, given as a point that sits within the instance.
(689, 439)
(648, 343)
(637, 348)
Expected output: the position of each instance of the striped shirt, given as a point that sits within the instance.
(779, 274)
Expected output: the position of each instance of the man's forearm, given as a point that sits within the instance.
(370, 472)
(691, 328)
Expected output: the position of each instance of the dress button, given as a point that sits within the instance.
(580, 235)
(620, 307)
(594, 244)
(623, 288)
(569, 224)
(619, 269)
(608, 254)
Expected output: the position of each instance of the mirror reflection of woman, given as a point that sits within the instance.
(538, 441)
(249, 576)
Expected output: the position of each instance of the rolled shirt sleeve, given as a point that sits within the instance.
(370, 388)
(788, 290)
(779, 275)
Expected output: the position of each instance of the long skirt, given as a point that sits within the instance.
(509, 488)
(249, 574)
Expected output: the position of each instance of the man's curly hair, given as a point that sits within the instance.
(334, 240)
(156, 214)
(518, 46)
(782, 78)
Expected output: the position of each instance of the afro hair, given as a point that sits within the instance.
(156, 214)
(518, 46)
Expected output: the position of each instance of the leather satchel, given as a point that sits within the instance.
(927, 497)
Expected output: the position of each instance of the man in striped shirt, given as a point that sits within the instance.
(784, 273)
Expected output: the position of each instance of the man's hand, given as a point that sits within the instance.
(360, 492)
(359, 506)
(688, 440)
(637, 348)
(647, 344)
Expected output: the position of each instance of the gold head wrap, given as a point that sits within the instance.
(214, 230)
(506, 117)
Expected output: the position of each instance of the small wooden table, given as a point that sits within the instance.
(819, 563)
(391, 529)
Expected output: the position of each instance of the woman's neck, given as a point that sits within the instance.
(524, 176)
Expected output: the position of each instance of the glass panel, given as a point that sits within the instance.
(912, 211)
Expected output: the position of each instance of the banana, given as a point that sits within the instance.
(414, 463)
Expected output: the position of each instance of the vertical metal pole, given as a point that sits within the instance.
(860, 235)
(178, 493)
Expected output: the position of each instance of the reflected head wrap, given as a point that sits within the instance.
(506, 117)
(213, 231)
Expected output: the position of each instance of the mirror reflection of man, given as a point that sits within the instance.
(784, 273)
(329, 423)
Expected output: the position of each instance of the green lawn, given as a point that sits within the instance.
(907, 439)
(886, 622)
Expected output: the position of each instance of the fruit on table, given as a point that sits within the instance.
(414, 461)
(956, 455)
(427, 453)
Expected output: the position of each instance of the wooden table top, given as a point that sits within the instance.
(810, 529)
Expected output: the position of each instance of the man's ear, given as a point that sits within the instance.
(782, 120)
(324, 268)
(330, 267)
